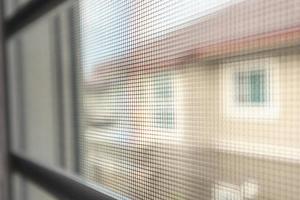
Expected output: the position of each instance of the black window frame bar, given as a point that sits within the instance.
(58, 183)
(4, 139)
(28, 13)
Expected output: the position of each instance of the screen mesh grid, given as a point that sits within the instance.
(191, 99)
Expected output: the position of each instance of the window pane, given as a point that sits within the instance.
(257, 86)
(198, 105)
(243, 87)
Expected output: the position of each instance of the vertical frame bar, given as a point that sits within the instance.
(74, 45)
(58, 74)
(4, 140)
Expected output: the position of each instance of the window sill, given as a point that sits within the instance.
(264, 151)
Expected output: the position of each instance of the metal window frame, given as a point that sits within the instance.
(56, 182)
(4, 139)
(27, 14)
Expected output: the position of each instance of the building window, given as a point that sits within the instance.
(164, 101)
(251, 87)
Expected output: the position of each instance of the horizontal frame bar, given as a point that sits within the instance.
(29, 13)
(57, 182)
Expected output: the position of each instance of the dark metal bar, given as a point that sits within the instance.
(29, 13)
(57, 182)
(21, 85)
(4, 114)
(58, 77)
(74, 51)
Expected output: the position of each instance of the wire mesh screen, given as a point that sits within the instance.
(191, 99)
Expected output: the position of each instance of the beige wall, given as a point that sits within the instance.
(205, 117)
(282, 128)
(262, 150)
(214, 148)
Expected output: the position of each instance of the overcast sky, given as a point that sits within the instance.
(110, 27)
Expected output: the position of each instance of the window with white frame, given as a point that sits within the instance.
(250, 89)
(164, 101)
